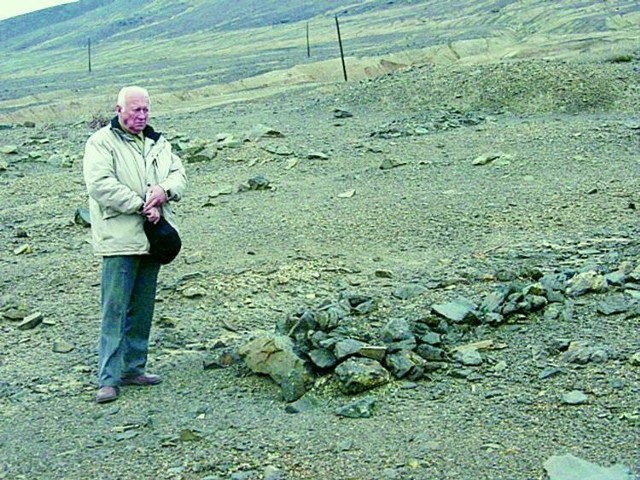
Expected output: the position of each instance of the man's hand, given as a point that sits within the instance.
(155, 198)
(152, 214)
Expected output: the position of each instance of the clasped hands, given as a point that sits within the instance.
(156, 197)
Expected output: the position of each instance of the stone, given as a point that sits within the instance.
(192, 258)
(635, 359)
(613, 304)
(259, 183)
(346, 348)
(62, 346)
(460, 311)
(59, 160)
(329, 317)
(224, 189)
(407, 292)
(347, 194)
(261, 131)
(568, 467)
(493, 302)
(31, 321)
(582, 353)
(486, 158)
(549, 372)
(25, 249)
(82, 217)
(280, 150)
(206, 154)
(361, 408)
(585, 282)
(317, 155)
(9, 149)
(357, 375)
(194, 292)
(468, 356)
(380, 273)
(273, 473)
(616, 278)
(397, 329)
(274, 355)
(322, 358)
(340, 113)
(303, 404)
(294, 385)
(574, 397)
(431, 353)
(375, 352)
(554, 282)
(536, 302)
(405, 363)
(431, 338)
(389, 163)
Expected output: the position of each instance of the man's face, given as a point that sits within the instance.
(135, 114)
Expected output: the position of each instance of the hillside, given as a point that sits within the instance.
(461, 215)
(176, 47)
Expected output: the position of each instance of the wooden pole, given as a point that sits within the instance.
(308, 45)
(89, 52)
(344, 67)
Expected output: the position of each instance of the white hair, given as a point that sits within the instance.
(126, 91)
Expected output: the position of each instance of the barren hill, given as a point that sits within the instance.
(482, 158)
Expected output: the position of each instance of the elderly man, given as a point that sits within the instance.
(132, 176)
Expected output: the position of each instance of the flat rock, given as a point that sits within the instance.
(574, 397)
(458, 311)
(31, 321)
(568, 467)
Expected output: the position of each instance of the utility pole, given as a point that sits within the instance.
(344, 67)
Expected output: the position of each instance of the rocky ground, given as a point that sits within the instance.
(409, 204)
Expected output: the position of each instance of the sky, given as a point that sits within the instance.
(11, 8)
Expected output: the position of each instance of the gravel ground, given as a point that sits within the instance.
(560, 194)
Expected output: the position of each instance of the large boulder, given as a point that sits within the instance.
(274, 355)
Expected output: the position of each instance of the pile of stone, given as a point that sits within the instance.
(338, 337)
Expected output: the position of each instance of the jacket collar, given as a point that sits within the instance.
(147, 132)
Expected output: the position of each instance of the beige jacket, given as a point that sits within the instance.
(118, 175)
